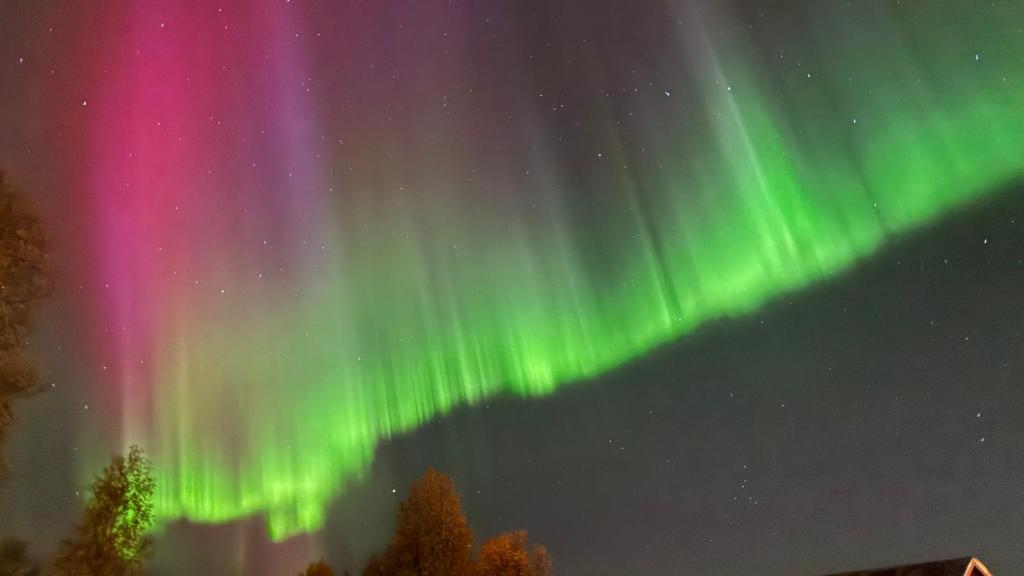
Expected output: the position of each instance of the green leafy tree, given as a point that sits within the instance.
(432, 537)
(23, 283)
(111, 538)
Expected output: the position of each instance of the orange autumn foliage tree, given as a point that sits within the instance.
(507, 555)
(432, 537)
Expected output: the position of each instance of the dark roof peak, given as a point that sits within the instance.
(968, 566)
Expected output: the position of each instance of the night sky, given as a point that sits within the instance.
(682, 286)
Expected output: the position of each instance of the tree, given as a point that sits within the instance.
(506, 555)
(432, 537)
(318, 569)
(111, 538)
(14, 559)
(23, 283)
(374, 566)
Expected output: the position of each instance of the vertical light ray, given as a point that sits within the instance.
(293, 266)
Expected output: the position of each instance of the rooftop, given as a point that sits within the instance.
(957, 567)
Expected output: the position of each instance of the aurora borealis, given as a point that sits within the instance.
(301, 228)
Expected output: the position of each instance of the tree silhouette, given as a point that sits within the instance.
(14, 559)
(111, 538)
(23, 283)
(318, 569)
(374, 566)
(432, 537)
(506, 555)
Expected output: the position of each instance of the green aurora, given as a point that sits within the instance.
(762, 171)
